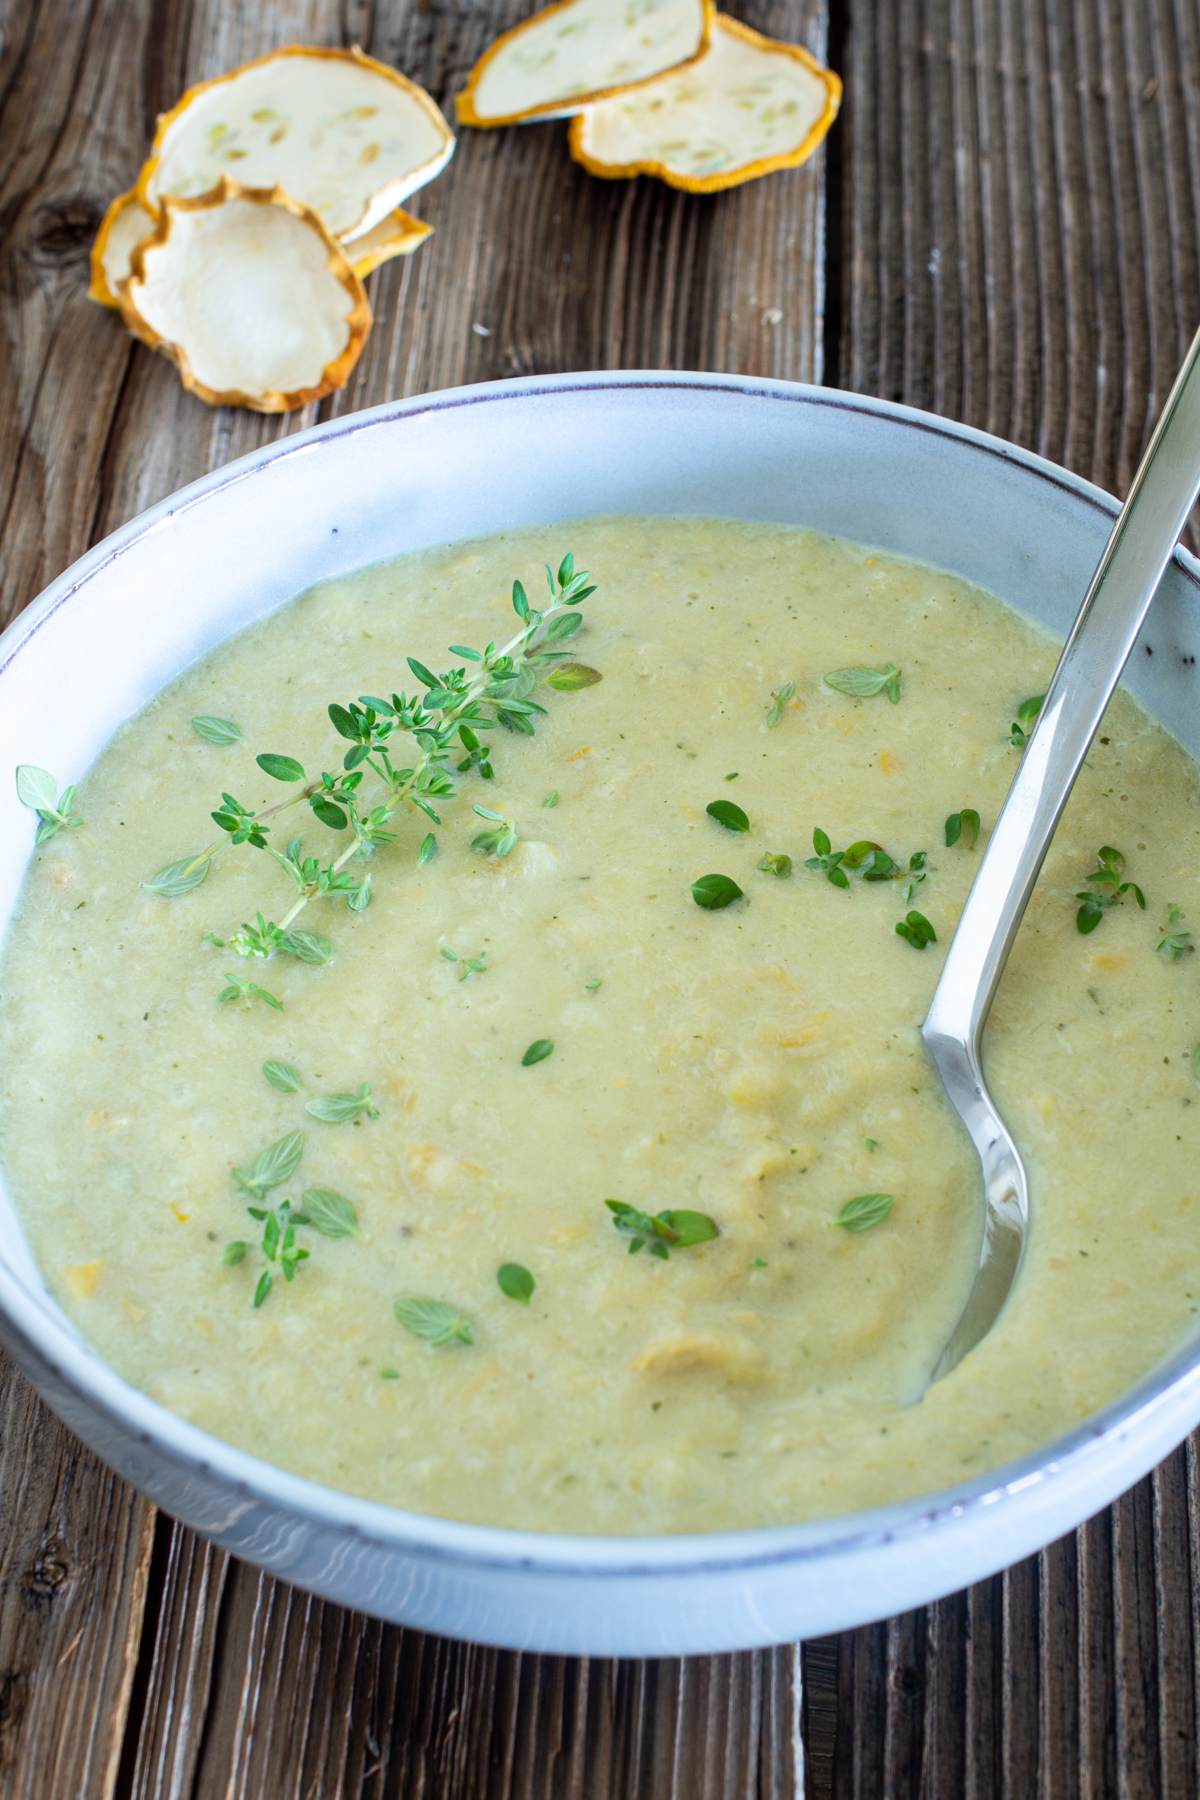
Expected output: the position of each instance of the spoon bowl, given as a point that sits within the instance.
(1162, 494)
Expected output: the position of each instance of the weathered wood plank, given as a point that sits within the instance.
(74, 1556)
(246, 1687)
(306, 1699)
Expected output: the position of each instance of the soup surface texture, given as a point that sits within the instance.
(756, 1063)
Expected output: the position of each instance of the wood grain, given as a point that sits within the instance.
(1015, 197)
(1014, 240)
(243, 1686)
(74, 1559)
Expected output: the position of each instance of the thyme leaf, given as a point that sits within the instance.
(330, 1214)
(248, 991)
(1026, 719)
(275, 1165)
(864, 1211)
(957, 823)
(827, 861)
(779, 699)
(537, 1052)
(675, 1227)
(216, 731)
(434, 1320)
(864, 684)
(775, 863)
(178, 877)
(916, 930)
(726, 813)
(570, 677)
(515, 1281)
(281, 1075)
(713, 892)
(36, 788)
(335, 1109)
(1107, 889)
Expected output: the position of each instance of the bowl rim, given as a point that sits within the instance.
(54, 1347)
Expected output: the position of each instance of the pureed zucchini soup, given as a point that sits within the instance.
(571, 1158)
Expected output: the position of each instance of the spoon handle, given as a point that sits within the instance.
(1163, 493)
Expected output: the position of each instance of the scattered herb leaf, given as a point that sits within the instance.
(516, 1282)
(281, 1075)
(774, 863)
(216, 731)
(36, 788)
(957, 823)
(871, 1143)
(673, 1227)
(247, 991)
(827, 861)
(551, 798)
(712, 892)
(330, 1214)
(277, 1164)
(1026, 719)
(1107, 889)
(335, 1109)
(434, 1320)
(864, 684)
(779, 699)
(864, 1211)
(234, 1253)
(592, 985)
(537, 1052)
(1174, 944)
(727, 814)
(916, 930)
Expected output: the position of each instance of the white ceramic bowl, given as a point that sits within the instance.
(128, 616)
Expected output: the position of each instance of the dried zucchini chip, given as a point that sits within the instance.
(397, 235)
(581, 50)
(344, 134)
(125, 224)
(749, 106)
(250, 297)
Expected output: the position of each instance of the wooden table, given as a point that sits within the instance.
(1006, 229)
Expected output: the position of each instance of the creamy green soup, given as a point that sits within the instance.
(747, 1069)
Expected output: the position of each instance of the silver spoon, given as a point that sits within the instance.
(1163, 493)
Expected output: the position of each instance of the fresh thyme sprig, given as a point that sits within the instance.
(1174, 944)
(916, 930)
(1026, 719)
(1107, 889)
(455, 706)
(329, 1213)
(871, 861)
(37, 788)
(249, 991)
(779, 699)
(675, 1228)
